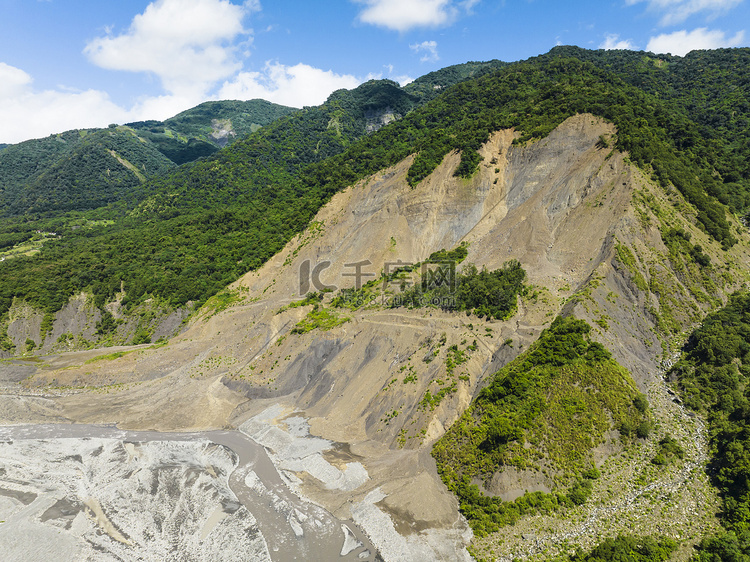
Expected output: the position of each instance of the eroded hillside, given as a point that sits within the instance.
(597, 239)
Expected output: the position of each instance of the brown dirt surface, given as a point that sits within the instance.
(561, 206)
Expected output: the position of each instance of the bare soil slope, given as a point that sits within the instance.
(582, 221)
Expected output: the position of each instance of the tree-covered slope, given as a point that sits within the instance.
(711, 88)
(546, 409)
(185, 235)
(89, 168)
(204, 129)
(432, 84)
(713, 375)
(245, 117)
(75, 171)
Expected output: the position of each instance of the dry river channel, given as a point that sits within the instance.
(111, 494)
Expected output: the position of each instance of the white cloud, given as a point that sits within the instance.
(188, 44)
(161, 107)
(469, 4)
(25, 113)
(429, 48)
(192, 46)
(682, 42)
(13, 81)
(402, 15)
(613, 41)
(402, 79)
(677, 11)
(296, 86)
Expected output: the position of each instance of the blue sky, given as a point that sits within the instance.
(80, 63)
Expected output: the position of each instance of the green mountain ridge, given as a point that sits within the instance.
(204, 129)
(620, 173)
(187, 234)
(250, 189)
(75, 171)
(45, 177)
(30, 172)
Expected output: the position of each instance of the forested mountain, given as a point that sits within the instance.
(711, 88)
(75, 171)
(90, 168)
(204, 129)
(432, 84)
(185, 235)
(564, 223)
(250, 191)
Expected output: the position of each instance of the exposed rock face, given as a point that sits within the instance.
(222, 131)
(563, 206)
(376, 119)
(74, 327)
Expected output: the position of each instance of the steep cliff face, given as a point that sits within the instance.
(378, 118)
(78, 326)
(384, 383)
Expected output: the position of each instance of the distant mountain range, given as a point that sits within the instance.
(182, 138)
(124, 176)
(46, 176)
(89, 168)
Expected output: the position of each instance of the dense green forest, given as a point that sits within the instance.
(712, 89)
(75, 171)
(432, 84)
(245, 117)
(193, 134)
(540, 398)
(713, 375)
(183, 236)
(628, 549)
(92, 168)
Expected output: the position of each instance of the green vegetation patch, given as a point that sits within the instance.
(625, 257)
(311, 298)
(6, 344)
(223, 300)
(319, 317)
(482, 292)
(436, 282)
(678, 243)
(713, 374)
(629, 549)
(108, 357)
(549, 407)
(669, 449)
